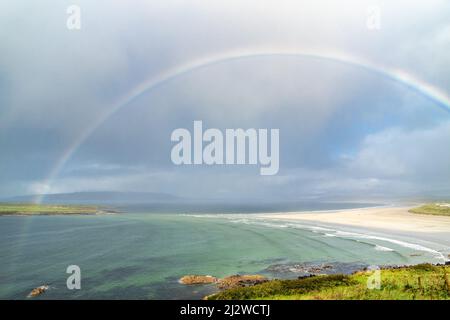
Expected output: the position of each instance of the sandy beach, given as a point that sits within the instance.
(384, 218)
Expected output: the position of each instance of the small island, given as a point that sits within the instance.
(31, 209)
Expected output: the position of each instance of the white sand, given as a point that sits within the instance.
(386, 218)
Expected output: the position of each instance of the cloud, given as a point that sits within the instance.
(418, 155)
(341, 128)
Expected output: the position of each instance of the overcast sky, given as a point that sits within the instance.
(345, 132)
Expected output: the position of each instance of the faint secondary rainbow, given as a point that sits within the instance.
(410, 81)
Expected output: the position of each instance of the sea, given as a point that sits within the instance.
(141, 253)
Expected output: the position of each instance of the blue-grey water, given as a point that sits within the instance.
(142, 255)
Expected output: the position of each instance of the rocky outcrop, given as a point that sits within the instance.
(196, 279)
(240, 281)
(38, 291)
(305, 268)
(225, 283)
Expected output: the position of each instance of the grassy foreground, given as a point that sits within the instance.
(437, 209)
(40, 209)
(423, 281)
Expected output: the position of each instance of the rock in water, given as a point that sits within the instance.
(196, 279)
(38, 291)
(240, 281)
(227, 282)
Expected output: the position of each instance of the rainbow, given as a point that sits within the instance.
(423, 88)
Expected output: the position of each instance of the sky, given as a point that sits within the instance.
(346, 132)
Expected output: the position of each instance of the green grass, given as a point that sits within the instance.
(40, 209)
(437, 209)
(424, 281)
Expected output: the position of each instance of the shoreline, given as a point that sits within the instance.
(392, 224)
(387, 218)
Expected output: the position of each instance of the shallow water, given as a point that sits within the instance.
(141, 256)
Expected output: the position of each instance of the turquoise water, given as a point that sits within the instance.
(141, 256)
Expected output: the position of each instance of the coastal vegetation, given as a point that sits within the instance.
(424, 281)
(437, 209)
(28, 209)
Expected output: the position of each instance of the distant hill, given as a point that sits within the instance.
(163, 202)
(98, 197)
